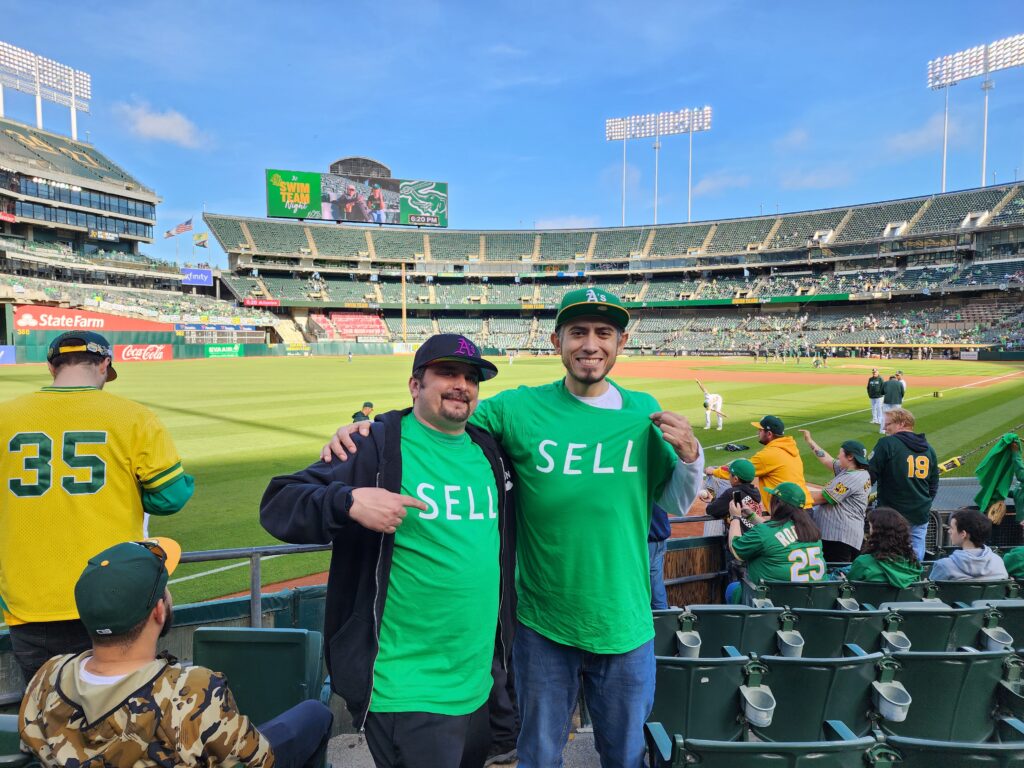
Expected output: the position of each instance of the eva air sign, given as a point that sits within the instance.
(223, 350)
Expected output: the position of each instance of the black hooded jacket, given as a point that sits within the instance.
(312, 507)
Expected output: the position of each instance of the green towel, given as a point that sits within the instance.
(996, 473)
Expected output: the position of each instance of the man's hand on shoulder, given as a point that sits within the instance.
(341, 444)
(678, 433)
(381, 510)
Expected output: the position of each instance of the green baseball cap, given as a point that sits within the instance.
(771, 423)
(592, 302)
(857, 451)
(367, 404)
(743, 469)
(791, 493)
(122, 584)
(83, 341)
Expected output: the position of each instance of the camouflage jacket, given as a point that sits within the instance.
(160, 715)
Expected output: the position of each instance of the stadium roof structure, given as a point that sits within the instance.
(33, 151)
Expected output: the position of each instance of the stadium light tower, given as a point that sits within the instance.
(658, 125)
(979, 61)
(45, 79)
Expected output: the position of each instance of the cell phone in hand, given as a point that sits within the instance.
(737, 497)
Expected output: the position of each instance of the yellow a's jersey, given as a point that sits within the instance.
(73, 462)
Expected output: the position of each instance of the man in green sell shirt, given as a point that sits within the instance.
(906, 470)
(591, 459)
(421, 566)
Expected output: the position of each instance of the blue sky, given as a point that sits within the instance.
(815, 104)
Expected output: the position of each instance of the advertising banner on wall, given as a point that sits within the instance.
(261, 303)
(223, 350)
(330, 197)
(194, 276)
(31, 317)
(131, 353)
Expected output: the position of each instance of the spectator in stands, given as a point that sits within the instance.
(422, 564)
(888, 554)
(840, 505)
(778, 462)
(580, 622)
(974, 560)
(660, 532)
(126, 466)
(786, 547)
(892, 398)
(376, 204)
(363, 414)
(741, 482)
(120, 703)
(906, 470)
(353, 205)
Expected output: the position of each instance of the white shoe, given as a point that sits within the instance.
(719, 429)
(708, 427)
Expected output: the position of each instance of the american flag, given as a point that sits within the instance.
(185, 226)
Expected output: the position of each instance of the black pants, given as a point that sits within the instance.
(37, 642)
(501, 705)
(426, 740)
(299, 735)
(838, 552)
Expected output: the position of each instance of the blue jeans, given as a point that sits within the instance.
(618, 687)
(917, 534)
(659, 597)
(299, 735)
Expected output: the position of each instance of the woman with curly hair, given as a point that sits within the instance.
(888, 555)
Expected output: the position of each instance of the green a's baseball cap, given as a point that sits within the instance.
(592, 302)
(772, 423)
(857, 451)
(791, 493)
(367, 404)
(122, 584)
(83, 341)
(742, 469)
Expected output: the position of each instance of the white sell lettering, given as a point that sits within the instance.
(421, 493)
(598, 469)
(570, 457)
(450, 502)
(625, 461)
(551, 462)
(473, 514)
(491, 512)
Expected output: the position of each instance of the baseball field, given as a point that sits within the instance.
(238, 422)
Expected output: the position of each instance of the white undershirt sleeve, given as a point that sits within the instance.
(684, 484)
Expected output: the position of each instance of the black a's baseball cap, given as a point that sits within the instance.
(772, 423)
(453, 348)
(83, 341)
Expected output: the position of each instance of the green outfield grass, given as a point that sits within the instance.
(239, 422)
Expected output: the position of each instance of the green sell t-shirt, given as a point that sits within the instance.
(587, 478)
(772, 552)
(440, 618)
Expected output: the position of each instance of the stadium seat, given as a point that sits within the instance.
(11, 755)
(954, 694)
(967, 592)
(878, 592)
(809, 691)
(827, 632)
(924, 753)
(750, 630)
(936, 627)
(794, 594)
(268, 670)
(1010, 616)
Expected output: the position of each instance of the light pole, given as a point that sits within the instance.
(45, 79)
(979, 61)
(656, 126)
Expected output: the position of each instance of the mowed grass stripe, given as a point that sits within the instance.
(237, 423)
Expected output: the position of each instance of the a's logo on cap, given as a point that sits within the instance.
(593, 296)
(465, 348)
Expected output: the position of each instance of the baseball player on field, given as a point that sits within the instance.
(712, 404)
(80, 470)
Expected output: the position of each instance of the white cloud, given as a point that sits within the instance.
(505, 50)
(170, 126)
(504, 82)
(568, 222)
(925, 138)
(795, 139)
(720, 181)
(826, 177)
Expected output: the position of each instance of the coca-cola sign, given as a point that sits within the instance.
(131, 353)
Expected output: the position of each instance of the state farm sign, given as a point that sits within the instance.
(128, 353)
(37, 317)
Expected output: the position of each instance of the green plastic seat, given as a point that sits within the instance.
(666, 622)
(827, 632)
(810, 691)
(268, 670)
(924, 753)
(797, 594)
(935, 627)
(841, 749)
(748, 629)
(11, 755)
(1009, 615)
(699, 696)
(954, 694)
(967, 592)
(878, 592)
